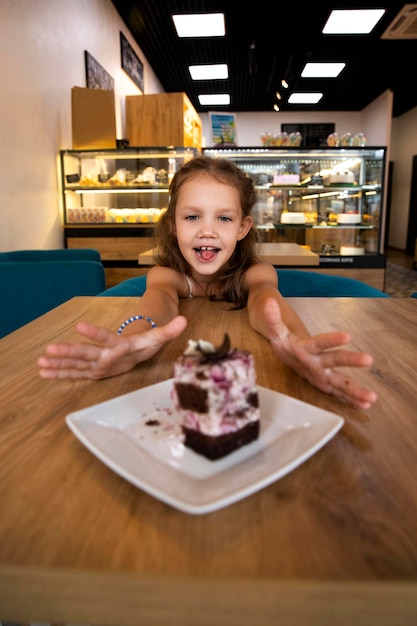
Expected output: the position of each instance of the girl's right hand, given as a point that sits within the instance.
(107, 354)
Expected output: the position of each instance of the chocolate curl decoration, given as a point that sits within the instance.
(219, 352)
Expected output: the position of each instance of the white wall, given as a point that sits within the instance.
(250, 126)
(374, 122)
(42, 45)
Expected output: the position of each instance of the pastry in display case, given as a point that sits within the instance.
(118, 186)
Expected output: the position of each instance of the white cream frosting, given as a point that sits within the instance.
(197, 347)
(229, 383)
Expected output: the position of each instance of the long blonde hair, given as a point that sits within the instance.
(230, 277)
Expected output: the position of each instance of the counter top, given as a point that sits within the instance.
(285, 254)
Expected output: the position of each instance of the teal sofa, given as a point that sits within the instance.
(292, 284)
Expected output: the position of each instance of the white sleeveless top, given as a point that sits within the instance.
(190, 284)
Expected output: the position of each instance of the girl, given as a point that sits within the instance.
(206, 243)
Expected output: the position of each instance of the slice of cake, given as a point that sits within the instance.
(216, 396)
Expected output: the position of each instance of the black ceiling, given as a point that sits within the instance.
(285, 34)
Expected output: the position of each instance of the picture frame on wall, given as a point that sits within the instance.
(96, 76)
(223, 129)
(131, 63)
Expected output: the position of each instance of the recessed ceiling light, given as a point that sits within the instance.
(209, 72)
(352, 21)
(214, 98)
(322, 70)
(200, 25)
(304, 98)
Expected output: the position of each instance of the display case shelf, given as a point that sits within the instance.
(112, 200)
(112, 186)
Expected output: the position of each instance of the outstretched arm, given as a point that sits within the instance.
(105, 353)
(314, 358)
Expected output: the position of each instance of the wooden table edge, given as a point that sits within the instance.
(123, 598)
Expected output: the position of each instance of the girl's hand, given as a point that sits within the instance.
(316, 359)
(109, 355)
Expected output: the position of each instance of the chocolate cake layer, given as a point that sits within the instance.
(216, 447)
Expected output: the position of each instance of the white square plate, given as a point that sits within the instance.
(138, 435)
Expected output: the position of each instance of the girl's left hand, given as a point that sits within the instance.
(316, 359)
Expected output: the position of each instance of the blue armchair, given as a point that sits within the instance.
(30, 289)
(299, 284)
(131, 287)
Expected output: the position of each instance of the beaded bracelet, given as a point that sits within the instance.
(133, 319)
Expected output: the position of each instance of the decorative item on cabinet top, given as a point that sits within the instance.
(124, 186)
(163, 119)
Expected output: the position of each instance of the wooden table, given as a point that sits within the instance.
(281, 254)
(332, 543)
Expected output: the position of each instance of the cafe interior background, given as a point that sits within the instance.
(42, 47)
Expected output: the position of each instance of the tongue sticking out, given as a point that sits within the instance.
(207, 255)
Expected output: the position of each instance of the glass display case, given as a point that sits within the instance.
(112, 200)
(128, 186)
(328, 199)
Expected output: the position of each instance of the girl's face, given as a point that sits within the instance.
(209, 223)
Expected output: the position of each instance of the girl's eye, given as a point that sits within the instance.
(192, 218)
(224, 218)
